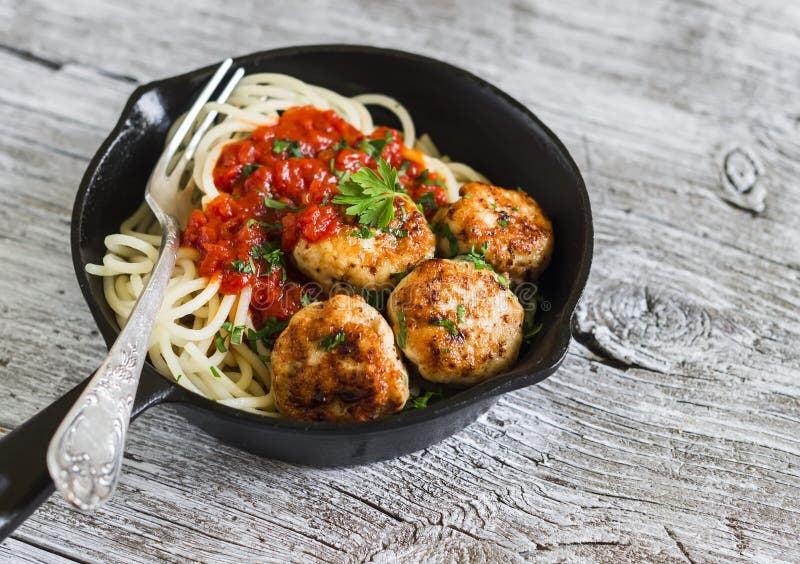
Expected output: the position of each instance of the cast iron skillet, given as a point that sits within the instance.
(469, 119)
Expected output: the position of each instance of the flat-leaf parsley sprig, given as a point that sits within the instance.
(371, 194)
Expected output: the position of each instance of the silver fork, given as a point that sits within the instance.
(85, 454)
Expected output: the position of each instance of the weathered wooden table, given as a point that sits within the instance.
(671, 433)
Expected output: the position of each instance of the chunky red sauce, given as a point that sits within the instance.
(292, 163)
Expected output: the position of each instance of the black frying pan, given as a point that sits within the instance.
(469, 119)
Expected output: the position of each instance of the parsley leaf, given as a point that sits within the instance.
(402, 333)
(215, 372)
(460, 313)
(307, 300)
(331, 341)
(502, 222)
(280, 145)
(370, 195)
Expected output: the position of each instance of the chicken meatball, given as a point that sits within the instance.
(337, 361)
(458, 322)
(367, 257)
(509, 224)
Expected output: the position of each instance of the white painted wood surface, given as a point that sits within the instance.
(672, 434)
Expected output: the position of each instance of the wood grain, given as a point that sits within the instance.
(671, 432)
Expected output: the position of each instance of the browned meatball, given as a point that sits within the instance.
(367, 257)
(517, 234)
(337, 361)
(459, 324)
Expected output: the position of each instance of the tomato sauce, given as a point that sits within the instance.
(275, 188)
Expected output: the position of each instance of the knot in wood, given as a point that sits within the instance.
(638, 326)
(742, 181)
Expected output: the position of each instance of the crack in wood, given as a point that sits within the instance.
(679, 544)
(30, 57)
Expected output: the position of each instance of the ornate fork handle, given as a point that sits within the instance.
(85, 453)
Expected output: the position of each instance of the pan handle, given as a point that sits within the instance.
(24, 481)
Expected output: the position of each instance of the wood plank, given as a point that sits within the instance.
(669, 433)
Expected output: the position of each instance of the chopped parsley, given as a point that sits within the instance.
(178, 377)
(446, 323)
(236, 334)
(404, 167)
(398, 233)
(331, 341)
(364, 233)
(503, 218)
(271, 227)
(219, 341)
(425, 178)
(401, 334)
(278, 205)
(242, 267)
(215, 372)
(342, 144)
(247, 170)
(443, 230)
(307, 300)
(398, 276)
(234, 331)
(375, 298)
(374, 147)
(266, 334)
(420, 402)
(280, 145)
(270, 253)
(529, 332)
(334, 171)
(479, 260)
(370, 195)
(460, 313)
(428, 200)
